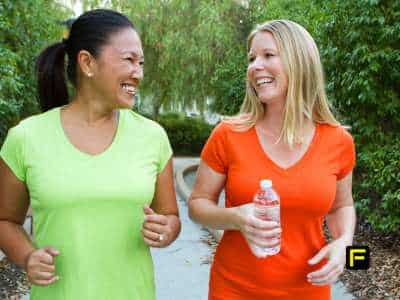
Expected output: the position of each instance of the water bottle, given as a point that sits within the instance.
(266, 207)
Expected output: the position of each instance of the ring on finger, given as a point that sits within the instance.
(160, 237)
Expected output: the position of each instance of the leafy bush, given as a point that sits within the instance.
(25, 28)
(187, 135)
(360, 52)
(378, 186)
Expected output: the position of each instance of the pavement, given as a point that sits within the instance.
(182, 269)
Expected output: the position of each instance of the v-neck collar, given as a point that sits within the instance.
(296, 165)
(73, 149)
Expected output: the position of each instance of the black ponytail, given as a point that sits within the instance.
(90, 32)
(50, 72)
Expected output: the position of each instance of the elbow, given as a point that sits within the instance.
(192, 209)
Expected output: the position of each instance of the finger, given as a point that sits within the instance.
(148, 210)
(157, 228)
(45, 258)
(322, 271)
(263, 243)
(330, 278)
(151, 235)
(263, 233)
(261, 224)
(52, 251)
(45, 282)
(37, 275)
(160, 219)
(319, 256)
(274, 233)
(46, 268)
(152, 243)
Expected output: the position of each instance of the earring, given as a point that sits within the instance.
(89, 74)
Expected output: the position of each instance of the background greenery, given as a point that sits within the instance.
(25, 28)
(196, 54)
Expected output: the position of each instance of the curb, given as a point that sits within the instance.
(185, 191)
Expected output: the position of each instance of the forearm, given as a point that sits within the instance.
(341, 223)
(209, 214)
(15, 242)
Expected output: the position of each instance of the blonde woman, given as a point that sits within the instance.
(285, 132)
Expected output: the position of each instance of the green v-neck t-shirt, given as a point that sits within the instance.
(90, 207)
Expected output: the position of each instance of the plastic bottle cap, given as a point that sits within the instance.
(265, 184)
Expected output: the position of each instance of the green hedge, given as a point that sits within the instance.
(186, 134)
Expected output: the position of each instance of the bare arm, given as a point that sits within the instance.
(203, 203)
(163, 215)
(342, 218)
(14, 203)
(203, 208)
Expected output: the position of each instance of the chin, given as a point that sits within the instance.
(269, 100)
(125, 104)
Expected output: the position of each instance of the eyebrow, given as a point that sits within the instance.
(265, 49)
(135, 54)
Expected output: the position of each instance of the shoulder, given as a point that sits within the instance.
(338, 134)
(147, 126)
(35, 123)
(228, 128)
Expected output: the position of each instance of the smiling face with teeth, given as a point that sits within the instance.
(119, 69)
(265, 71)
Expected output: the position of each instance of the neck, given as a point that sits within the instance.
(273, 118)
(91, 111)
(272, 122)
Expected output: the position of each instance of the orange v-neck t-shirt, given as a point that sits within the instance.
(307, 190)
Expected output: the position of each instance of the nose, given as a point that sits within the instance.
(137, 72)
(257, 64)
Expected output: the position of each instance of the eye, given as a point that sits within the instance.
(268, 54)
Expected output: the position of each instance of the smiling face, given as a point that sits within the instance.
(265, 71)
(119, 69)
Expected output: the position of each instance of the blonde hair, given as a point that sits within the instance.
(306, 97)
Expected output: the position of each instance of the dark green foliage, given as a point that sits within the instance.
(360, 42)
(229, 83)
(378, 186)
(25, 28)
(187, 135)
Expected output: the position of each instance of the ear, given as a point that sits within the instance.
(87, 63)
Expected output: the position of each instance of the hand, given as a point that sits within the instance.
(335, 251)
(156, 229)
(40, 267)
(265, 234)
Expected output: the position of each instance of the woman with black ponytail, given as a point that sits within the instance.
(97, 175)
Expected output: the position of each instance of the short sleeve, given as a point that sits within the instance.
(12, 151)
(165, 151)
(214, 152)
(348, 154)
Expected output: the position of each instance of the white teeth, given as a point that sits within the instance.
(129, 89)
(264, 80)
